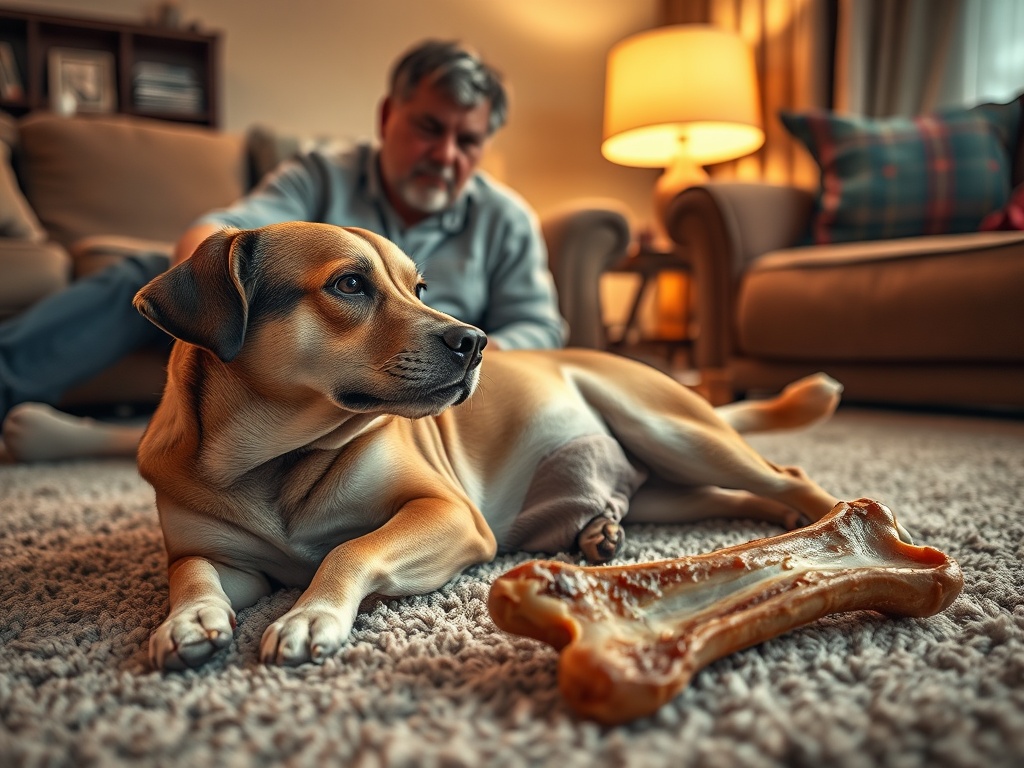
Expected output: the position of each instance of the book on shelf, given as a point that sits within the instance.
(11, 88)
(164, 87)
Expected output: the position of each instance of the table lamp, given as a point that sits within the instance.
(680, 97)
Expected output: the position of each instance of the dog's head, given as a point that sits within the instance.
(301, 309)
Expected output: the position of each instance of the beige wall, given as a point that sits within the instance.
(318, 67)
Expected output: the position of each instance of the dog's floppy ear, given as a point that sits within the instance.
(203, 300)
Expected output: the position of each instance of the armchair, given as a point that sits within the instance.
(584, 239)
(931, 320)
(902, 297)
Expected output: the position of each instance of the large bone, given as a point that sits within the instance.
(633, 636)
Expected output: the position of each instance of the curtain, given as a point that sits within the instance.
(792, 42)
(908, 57)
(986, 56)
(891, 56)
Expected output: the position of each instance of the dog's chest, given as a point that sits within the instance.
(332, 497)
(500, 487)
(492, 463)
(307, 504)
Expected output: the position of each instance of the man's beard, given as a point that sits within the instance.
(428, 199)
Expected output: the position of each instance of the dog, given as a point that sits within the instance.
(322, 427)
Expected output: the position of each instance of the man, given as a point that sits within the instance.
(477, 244)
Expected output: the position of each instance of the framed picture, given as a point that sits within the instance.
(11, 88)
(81, 81)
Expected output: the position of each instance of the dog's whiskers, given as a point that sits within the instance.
(406, 365)
(404, 377)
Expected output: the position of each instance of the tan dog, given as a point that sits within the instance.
(317, 431)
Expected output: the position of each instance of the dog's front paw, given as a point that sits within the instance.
(303, 634)
(191, 636)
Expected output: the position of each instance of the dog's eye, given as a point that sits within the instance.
(420, 288)
(350, 284)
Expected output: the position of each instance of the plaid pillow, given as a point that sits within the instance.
(1010, 216)
(901, 177)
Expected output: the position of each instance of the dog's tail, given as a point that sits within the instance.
(802, 403)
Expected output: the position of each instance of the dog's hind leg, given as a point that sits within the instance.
(576, 500)
(682, 440)
(690, 455)
(804, 402)
(660, 502)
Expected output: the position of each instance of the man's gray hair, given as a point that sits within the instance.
(458, 72)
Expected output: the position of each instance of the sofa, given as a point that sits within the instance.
(77, 193)
(928, 318)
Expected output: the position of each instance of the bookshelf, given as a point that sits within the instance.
(149, 71)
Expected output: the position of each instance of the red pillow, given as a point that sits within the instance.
(1011, 216)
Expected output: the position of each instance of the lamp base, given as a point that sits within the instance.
(682, 173)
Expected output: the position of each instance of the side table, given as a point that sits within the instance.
(650, 261)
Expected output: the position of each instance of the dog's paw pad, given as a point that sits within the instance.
(601, 540)
(302, 636)
(189, 638)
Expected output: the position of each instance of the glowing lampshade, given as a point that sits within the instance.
(681, 96)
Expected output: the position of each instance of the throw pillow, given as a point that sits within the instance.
(1010, 216)
(902, 177)
(17, 220)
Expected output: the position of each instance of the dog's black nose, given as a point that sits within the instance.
(465, 342)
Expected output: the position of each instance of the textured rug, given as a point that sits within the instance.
(429, 680)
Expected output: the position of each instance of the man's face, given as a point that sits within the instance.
(430, 147)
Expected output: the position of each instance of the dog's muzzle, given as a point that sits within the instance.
(442, 373)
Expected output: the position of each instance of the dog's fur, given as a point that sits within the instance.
(317, 430)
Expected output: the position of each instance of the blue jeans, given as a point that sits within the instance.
(70, 336)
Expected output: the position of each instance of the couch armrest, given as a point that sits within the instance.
(31, 271)
(754, 218)
(724, 227)
(584, 239)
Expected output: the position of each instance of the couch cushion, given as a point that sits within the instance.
(943, 299)
(16, 216)
(126, 176)
(905, 177)
(826, 256)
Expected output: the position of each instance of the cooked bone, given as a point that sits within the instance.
(632, 636)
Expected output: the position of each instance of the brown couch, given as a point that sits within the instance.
(934, 321)
(99, 188)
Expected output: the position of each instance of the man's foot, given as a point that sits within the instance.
(37, 432)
